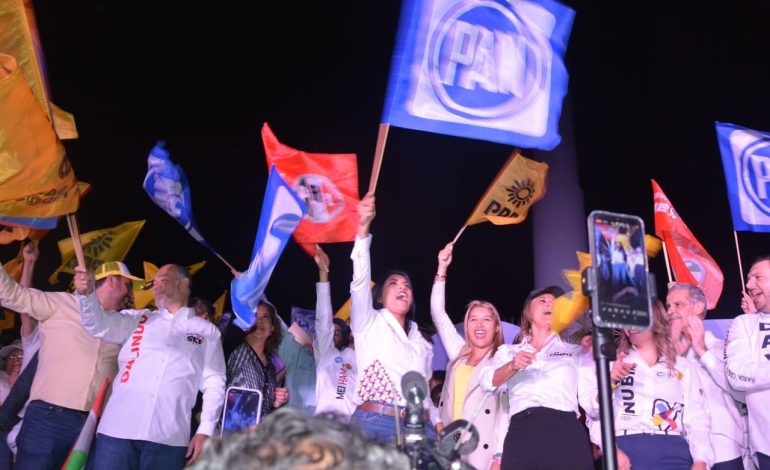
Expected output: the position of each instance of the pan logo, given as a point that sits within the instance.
(755, 173)
(483, 62)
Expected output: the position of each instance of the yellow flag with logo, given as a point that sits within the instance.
(519, 184)
(109, 244)
(19, 39)
(143, 293)
(219, 307)
(36, 179)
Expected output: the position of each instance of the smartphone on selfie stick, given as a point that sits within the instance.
(621, 290)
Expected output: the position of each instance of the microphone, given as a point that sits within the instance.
(414, 388)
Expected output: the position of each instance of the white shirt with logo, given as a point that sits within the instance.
(748, 370)
(657, 400)
(165, 360)
(335, 370)
(726, 406)
(561, 377)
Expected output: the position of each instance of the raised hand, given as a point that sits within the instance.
(445, 259)
(84, 281)
(30, 252)
(747, 303)
(321, 259)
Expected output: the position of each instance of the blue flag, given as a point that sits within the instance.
(282, 211)
(746, 161)
(167, 186)
(44, 223)
(481, 69)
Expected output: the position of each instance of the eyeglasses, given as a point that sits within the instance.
(16, 356)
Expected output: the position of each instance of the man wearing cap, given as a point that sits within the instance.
(167, 356)
(71, 364)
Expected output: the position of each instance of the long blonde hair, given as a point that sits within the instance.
(661, 335)
(498, 339)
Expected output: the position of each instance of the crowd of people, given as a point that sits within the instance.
(682, 398)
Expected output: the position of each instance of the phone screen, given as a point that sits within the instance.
(243, 409)
(619, 256)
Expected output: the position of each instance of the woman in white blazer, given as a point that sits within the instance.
(462, 397)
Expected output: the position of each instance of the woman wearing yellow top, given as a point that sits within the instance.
(461, 397)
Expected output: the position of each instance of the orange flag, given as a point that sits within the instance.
(689, 260)
(329, 185)
(518, 185)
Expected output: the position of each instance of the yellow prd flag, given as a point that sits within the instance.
(109, 244)
(219, 307)
(19, 38)
(36, 179)
(344, 312)
(145, 296)
(570, 306)
(520, 183)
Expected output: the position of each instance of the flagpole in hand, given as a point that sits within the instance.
(379, 151)
(72, 222)
(459, 233)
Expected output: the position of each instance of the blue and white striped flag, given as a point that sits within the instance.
(167, 186)
(282, 211)
(482, 69)
(746, 161)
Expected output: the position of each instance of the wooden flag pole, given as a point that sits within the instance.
(72, 222)
(668, 266)
(379, 151)
(459, 233)
(740, 265)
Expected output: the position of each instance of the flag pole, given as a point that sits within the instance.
(72, 222)
(740, 265)
(379, 151)
(459, 233)
(668, 266)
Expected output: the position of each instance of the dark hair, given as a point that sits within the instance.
(377, 294)
(759, 259)
(344, 330)
(274, 340)
(205, 303)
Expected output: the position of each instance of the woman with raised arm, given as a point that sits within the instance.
(388, 342)
(659, 409)
(462, 396)
(548, 381)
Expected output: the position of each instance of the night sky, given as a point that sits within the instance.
(647, 82)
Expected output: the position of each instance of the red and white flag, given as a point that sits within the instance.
(329, 185)
(690, 262)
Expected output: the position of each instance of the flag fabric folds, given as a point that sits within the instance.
(109, 244)
(689, 260)
(327, 182)
(79, 453)
(483, 70)
(19, 39)
(36, 179)
(167, 186)
(746, 161)
(519, 184)
(282, 211)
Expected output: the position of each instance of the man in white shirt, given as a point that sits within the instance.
(686, 307)
(748, 359)
(168, 355)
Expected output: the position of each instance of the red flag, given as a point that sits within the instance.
(689, 260)
(329, 185)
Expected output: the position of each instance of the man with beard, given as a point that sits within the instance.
(167, 356)
(748, 358)
(71, 364)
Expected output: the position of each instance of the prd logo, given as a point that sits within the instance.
(324, 201)
(483, 61)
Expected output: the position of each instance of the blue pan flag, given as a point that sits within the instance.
(282, 211)
(746, 161)
(487, 70)
(167, 186)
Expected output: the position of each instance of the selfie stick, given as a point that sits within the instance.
(604, 352)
